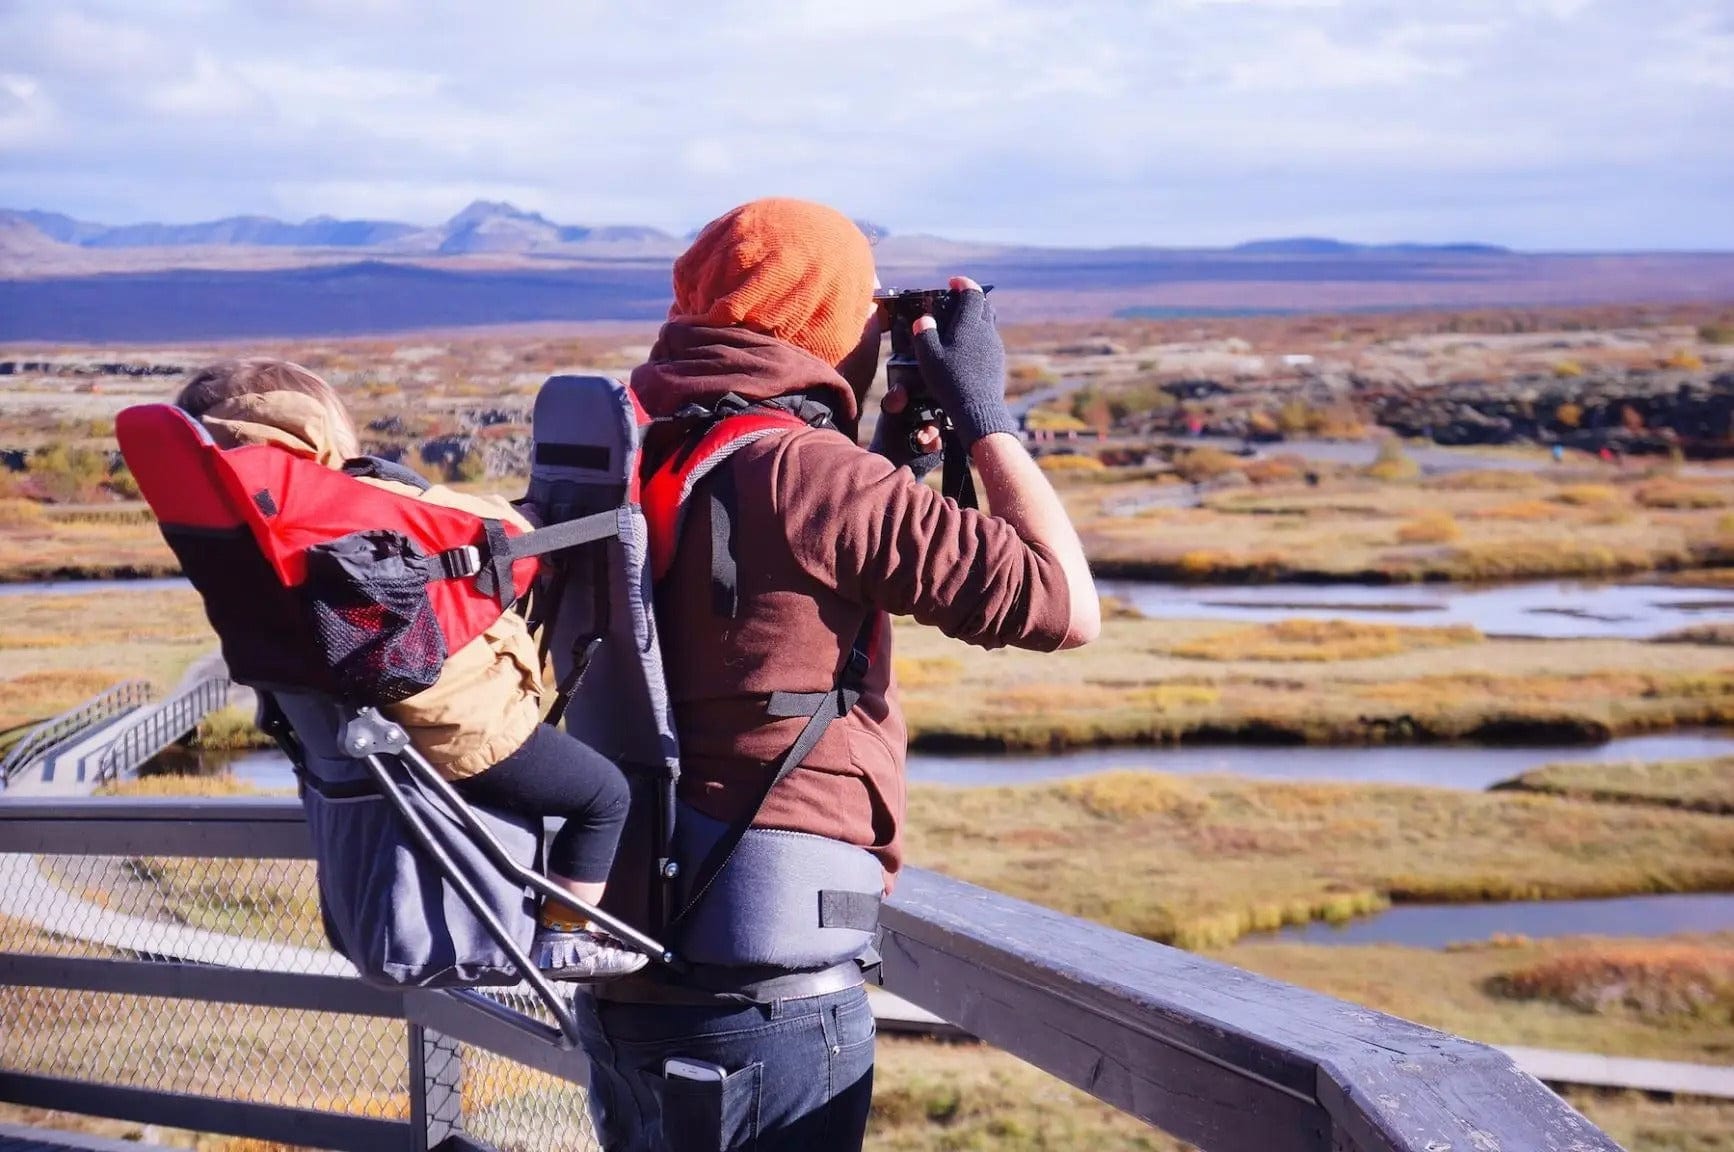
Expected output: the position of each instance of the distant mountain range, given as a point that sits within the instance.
(489, 226)
(493, 263)
(485, 226)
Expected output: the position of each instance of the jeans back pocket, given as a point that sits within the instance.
(713, 1115)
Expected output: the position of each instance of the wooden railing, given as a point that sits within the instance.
(71, 725)
(1228, 1060)
(166, 724)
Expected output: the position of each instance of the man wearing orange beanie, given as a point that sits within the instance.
(773, 306)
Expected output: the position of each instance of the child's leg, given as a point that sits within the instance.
(554, 774)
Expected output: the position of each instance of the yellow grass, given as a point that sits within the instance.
(178, 785)
(1588, 495)
(1429, 528)
(1205, 860)
(1069, 462)
(1700, 785)
(1155, 681)
(1320, 641)
(54, 648)
(1566, 993)
(230, 730)
(1653, 981)
(1466, 527)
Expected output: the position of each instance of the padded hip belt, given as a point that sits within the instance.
(787, 900)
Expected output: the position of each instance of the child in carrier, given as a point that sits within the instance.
(480, 724)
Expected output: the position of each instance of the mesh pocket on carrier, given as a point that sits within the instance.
(367, 603)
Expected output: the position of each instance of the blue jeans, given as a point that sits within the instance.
(800, 1074)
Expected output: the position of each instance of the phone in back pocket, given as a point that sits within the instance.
(681, 1068)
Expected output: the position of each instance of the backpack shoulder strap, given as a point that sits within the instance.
(831, 705)
(668, 487)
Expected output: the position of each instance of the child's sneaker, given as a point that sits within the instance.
(583, 954)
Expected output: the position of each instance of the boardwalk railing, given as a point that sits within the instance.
(162, 726)
(72, 724)
(123, 925)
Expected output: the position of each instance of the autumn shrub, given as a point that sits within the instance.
(1198, 465)
(468, 468)
(1684, 360)
(1675, 494)
(1486, 480)
(1587, 495)
(123, 484)
(1525, 510)
(16, 513)
(927, 671)
(1393, 463)
(68, 474)
(1052, 420)
(1567, 370)
(1656, 981)
(1717, 333)
(1307, 640)
(1429, 528)
(1123, 795)
(230, 730)
(1068, 462)
(1276, 470)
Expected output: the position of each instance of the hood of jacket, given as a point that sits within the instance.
(690, 364)
(290, 420)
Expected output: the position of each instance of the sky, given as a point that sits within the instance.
(1540, 124)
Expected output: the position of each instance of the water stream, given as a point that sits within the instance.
(1553, 609)
(1437, 925)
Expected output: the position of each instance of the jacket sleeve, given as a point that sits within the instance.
(878, 536)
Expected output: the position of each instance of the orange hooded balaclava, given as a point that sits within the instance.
(796, 271)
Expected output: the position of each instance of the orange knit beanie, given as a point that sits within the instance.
(797, 271)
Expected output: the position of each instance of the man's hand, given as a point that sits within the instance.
(965, 370)
(891, 437)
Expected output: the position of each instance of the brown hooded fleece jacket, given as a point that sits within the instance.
(826, 532)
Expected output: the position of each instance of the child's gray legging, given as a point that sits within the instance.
(554, 774)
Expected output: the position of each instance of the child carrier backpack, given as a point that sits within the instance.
(332, 596)
(726, 897)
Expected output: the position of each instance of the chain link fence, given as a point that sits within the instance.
(238, 913)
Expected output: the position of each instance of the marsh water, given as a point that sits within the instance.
(1437, 925)
(1551, 609)
(1462, 766)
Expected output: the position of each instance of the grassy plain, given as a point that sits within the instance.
(1155, 681)
(1585, 521)
(1699, 785)
(1201, 861)
(57, 649)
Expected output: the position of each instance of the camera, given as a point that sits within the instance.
(903, 306)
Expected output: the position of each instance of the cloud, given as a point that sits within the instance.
(1575, 123)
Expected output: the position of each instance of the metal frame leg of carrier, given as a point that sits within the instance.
(370, 738)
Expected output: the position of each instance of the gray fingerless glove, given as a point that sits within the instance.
(966, 371)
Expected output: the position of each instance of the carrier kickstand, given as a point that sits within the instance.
(367, 734)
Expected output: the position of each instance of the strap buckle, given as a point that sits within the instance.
(459, 562)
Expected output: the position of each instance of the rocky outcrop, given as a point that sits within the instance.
(86, 368)
(1643, 412)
